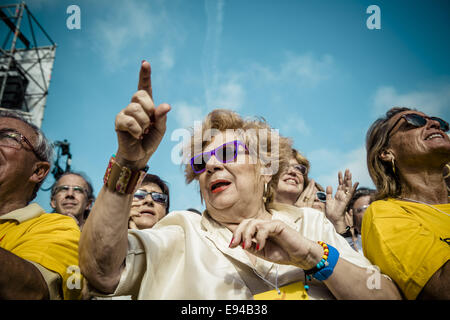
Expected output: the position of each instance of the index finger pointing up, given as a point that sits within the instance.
(145, 80)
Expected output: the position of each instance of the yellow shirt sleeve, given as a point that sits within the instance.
(402, 245)
(51, 240)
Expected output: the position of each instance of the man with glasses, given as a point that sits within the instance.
(150, 203)
(354, 214)
(72, 195)
(36, 249)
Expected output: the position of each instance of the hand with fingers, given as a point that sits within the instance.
(275, 241)
(131, 222)
(335, 207)
(306, 198)
(140, 126)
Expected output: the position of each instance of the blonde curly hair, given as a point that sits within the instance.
(272, 151)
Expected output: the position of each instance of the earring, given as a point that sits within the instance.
(393, 165)
(265, 193)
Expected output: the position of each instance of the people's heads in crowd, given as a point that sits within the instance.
(238, 166)
(151, 202)
(404, 138)
(294, 179)
(72, 195)
(320, 197)
(25, 158)
(361, 200)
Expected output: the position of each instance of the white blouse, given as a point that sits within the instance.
(186, 256)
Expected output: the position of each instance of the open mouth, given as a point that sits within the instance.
(291, 181)
(434, 135)
(219, 185)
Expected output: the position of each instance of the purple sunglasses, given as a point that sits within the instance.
(224, 153)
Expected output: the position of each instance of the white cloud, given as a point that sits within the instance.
(167, 58)
(120, 28)
(303, 70)
(327, 163)
(306, 69)
(229, 95)
(432, 102)
(294, 125)
(186, 114)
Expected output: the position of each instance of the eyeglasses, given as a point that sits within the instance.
(13, 139)
(225, 153)
(417, 120)
(322, 196)
(361, 209)
(300, 168)
(156, 196)
(65, 189)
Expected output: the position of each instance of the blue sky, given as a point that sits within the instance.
(312, 69)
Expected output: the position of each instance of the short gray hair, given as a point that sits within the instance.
(43, 148)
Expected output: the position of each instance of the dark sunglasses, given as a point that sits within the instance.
(225, 153)
(417, 120)
(156, 196)
(300, 168)
(322, 196)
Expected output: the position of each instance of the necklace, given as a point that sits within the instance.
(267, 281)
(416, 201)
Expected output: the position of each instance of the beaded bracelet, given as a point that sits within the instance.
(326, 265)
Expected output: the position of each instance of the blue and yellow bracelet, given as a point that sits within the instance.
(325, 266)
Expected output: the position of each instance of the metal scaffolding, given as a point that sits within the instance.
(25, 67)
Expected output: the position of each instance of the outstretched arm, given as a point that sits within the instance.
(140, 128)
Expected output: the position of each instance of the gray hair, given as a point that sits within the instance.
(43, 147)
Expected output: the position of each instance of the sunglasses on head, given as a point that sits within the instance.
(156, 196)
(322, 196)
(225, 153)
(417, 120)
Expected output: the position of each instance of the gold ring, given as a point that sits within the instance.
(306, 198)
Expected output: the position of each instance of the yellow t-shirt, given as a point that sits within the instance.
(49, 240)
(408, 241)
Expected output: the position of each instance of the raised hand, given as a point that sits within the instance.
(306, 198)
(140, 126)
(335, 207)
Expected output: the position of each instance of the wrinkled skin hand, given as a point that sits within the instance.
(140, 126)
(335, 207)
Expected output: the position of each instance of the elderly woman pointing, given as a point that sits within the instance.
(406, 231)
(240, 248)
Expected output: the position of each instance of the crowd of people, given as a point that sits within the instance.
(269, 230)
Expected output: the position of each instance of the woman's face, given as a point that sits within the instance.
(146, 212)
(232, 191)
(416, 144)
(317, 204)
(291, 181)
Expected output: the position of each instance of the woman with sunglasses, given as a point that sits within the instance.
(295, 188)
(150, 203)
(239, 248)
(406, 231)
